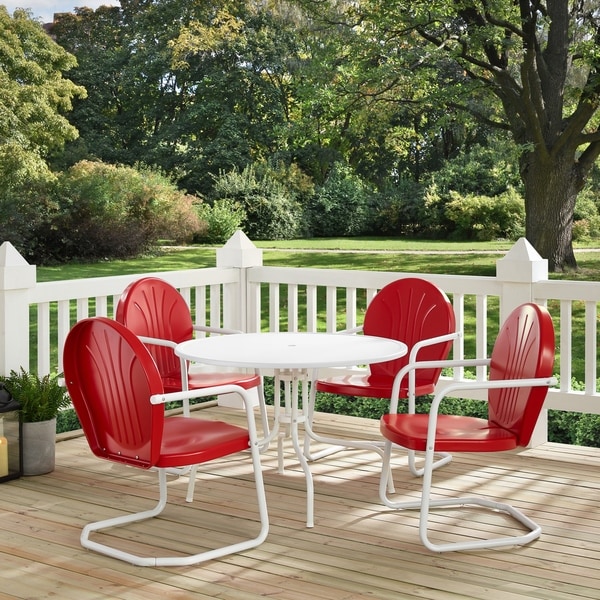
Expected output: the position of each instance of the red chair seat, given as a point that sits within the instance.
(194, 441)
(453, 433)
(368, 386)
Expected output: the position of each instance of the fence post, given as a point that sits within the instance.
(17, 276)
(239, 253)
(517, 271)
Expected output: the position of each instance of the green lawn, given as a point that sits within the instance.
(458, 258)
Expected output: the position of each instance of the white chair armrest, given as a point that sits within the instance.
(478, 385)
(221, 330)
(410, 369)
(157, 341)
(350, 331)
(214, 391)
(431, 342)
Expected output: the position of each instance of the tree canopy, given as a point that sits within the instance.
(34, 97)
(394, 89)
(530, 68)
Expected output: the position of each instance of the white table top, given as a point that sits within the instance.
(290, 350)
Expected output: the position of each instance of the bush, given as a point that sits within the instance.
(340, 207)
(586, 220)
(373, 408)
(105, 211)
(67, 421)
(219, 221)
(398, 210)
(483, 170)
(485, 218)
(271, 212)
(26, 208)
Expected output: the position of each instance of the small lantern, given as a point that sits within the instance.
(11, 441)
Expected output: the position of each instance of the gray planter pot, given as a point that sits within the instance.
(39, 443)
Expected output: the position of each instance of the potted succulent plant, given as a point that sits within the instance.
(41, 398)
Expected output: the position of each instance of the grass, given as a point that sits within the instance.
(381, 254)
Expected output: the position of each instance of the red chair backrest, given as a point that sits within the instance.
(152, 307)
(110, 377)
(410, 310)
(523, 349)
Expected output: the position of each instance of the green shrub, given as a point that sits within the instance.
(271, 212)
(26, 209)
(586, 220)
(482, 170)
(67, 421)
(373, 408)
(484, 218)
(340, 207)
(398, 210)
(219, 221)
(106, 211)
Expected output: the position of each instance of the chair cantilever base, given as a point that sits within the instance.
(534, 530)
(167, 561)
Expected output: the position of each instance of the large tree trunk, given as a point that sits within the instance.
(551, 188)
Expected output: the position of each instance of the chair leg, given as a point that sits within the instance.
(191, 484)
(445, 459)
(264, 417)
(426, 503)
(124, 520)
(179, 560)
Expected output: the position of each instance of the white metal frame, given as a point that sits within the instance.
(426, 502)
(86, 542)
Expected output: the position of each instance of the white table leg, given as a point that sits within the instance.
(290, 418)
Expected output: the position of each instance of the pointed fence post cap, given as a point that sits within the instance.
(522, 263)
(239, 251)
(10, 256)
(15, 271)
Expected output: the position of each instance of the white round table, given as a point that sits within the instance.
(291, 356)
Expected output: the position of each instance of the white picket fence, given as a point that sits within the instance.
(241, 293)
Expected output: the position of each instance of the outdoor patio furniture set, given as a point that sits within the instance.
(121, 372)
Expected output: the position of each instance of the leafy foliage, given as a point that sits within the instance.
(41, 398)
(219, 221)
(34, 95)
(269, 211)
(484, 218)
(340, 207)
(373, 408)
(107, 211)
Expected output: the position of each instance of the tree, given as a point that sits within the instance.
(528, 67)
(34, 96)
(195, 88)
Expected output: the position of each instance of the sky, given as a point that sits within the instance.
(45, 9)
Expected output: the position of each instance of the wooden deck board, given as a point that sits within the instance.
(358, 549)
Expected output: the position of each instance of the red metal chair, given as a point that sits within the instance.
(119, 398)
(416, 312)
(519, 374)
(155, 311)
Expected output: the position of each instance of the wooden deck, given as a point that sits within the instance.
(357, 550)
